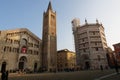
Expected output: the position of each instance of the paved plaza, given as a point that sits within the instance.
(79, 75)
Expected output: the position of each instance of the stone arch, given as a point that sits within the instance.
(85, 61)
(24, 41)
(22, 63)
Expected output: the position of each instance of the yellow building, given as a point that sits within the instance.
(66, 60)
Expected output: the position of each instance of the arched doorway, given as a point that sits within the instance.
(85, 58)
(22, 62)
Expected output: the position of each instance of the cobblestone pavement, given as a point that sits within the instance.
(79, 75)
(114, 77)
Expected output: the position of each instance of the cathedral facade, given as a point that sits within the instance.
(20, 49)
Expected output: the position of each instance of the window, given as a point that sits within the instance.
(119, 53)
(66, 64)
(24, 42)
(83, 40)
(16, 41)
(61, 65)
(98, 56)
(84, 50)
(95, 43)
(11, 41)
(10, 49)
(4, 48)
(30, 44)
(17, 50)
(96, 49)
(35, 52)
(93, 33)
(36, 46)
(30, 52)
(83, 45)
(53, 17)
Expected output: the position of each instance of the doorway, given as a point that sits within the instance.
(87, 65)
(22, 63)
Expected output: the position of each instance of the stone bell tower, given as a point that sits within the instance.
(49, 40)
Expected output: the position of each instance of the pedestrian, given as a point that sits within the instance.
(101, 67)
(116, 68)
(3, 75)
(7, 75)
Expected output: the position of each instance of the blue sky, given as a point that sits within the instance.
(29, 14)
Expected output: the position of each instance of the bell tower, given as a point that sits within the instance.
(49, 40)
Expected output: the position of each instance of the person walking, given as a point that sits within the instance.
(3, 76)
(101, 67)
(7, 75)
(116, 68)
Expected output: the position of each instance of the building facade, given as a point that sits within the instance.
(117, 52)
(90, 44)
(20, 49)
(66, 60)
(110, 57)
(49, 40)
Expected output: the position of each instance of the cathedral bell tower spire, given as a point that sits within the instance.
(49, 6)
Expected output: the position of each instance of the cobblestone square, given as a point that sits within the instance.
(79, 75)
